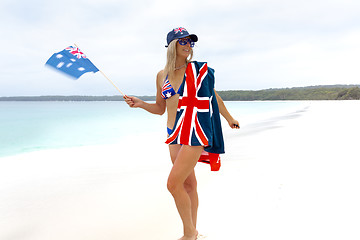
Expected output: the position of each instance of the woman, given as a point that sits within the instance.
(182, 181)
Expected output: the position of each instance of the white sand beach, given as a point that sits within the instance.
(286, 178)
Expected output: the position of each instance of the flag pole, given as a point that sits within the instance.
(112, 83)
(107, 78)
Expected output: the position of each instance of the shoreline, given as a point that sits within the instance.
(249, 119)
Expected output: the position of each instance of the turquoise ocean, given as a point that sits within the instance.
(35, 126)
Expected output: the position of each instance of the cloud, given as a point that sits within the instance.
(309, 62)
(251, 44)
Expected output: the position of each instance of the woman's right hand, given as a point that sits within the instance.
(133, 102)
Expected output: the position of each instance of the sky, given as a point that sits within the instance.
(251, 44)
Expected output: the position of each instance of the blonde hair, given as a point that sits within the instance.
(171, 58)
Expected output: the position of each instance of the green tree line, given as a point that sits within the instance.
(331, 92)
(307, 93)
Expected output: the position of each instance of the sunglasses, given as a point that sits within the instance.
(184, 41)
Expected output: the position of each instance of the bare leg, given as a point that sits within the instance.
(190, 184)
(183, 167)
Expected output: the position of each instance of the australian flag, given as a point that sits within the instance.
(198, 118)
(72, 62)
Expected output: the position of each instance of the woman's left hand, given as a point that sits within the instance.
(234, 124)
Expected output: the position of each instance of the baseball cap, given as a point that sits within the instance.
(179, 32)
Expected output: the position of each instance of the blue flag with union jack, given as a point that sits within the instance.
(198, 118)
(72, 62)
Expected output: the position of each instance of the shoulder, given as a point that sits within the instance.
(160, 73)
(199, 65)
(160, 77)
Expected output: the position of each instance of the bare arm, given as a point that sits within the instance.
(155, 108)
(225, 113)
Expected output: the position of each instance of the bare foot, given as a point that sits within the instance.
(188, 238)
(199, 237)
(194, 237)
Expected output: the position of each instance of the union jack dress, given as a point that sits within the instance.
(198, 119)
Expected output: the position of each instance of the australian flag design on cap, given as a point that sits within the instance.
(179, 32)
